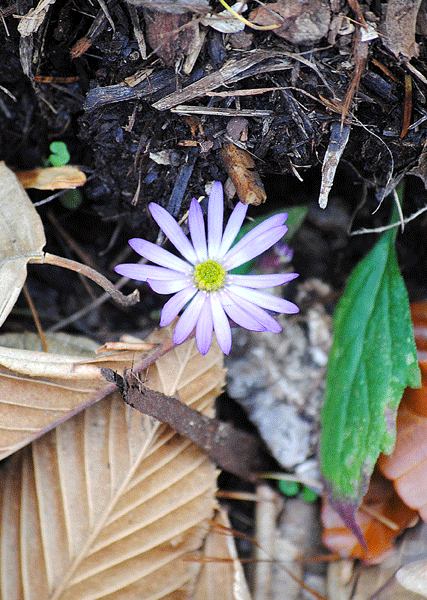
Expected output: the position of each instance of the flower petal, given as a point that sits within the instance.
(159, 255)
(265, 300)
(266, 320)
(160, 286)
(173, 231)
(188, 319)
(196, 224)
(261, 281)
(143, 272)
(221, 324)
(233, 227)
(204, 329)
(243, 252)
(238, 314)
(175, 304)
(215, 219)
(257, 240)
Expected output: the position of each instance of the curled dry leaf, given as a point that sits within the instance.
(302, 22)
(21, 238)
(108, 504)
(38, 390)
(171, 35)
(52, 178)
(241, 168)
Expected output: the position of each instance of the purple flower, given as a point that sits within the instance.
(202, 278)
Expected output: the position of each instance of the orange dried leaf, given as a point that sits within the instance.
(52, 178)
(241, 168)
(379, 531)
(407, 466)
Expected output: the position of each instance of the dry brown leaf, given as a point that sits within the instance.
(399, 27)
(107, 504)
(171, 35)
(21, 238)
(222, 572)
(38, 389)
(241, 169)
(301, 22)
(52, 178)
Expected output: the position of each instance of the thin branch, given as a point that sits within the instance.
(59, 261)
(385, 227)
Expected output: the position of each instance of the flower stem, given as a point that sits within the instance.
(59, 261)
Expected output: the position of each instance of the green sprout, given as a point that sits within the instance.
(60, 155)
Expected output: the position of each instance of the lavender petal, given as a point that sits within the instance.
(143, 272)
(204, 328)
(215, 219)
(172, 307)
(221, 324)
(197, 230)
(233, 227)
(265, 300)
(238, 314)
(169, 287)
(261, 281)
(266, 320)
(249, 247)
(173, 231)
(188, 319)
(159, 255)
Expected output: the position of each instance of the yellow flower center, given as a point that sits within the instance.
(209, 276)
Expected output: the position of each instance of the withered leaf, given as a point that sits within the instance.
(21, 238)
(241, 168)
(38, 389)
(302, 22)
(52, 178)
(108, 503)
(399, 27)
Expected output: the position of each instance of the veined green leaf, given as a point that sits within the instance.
(372, 360)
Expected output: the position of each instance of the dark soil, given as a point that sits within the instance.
(113, 132)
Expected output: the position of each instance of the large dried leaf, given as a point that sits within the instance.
(106, 505)
(21, 238)
(38, 390)
(222, 572)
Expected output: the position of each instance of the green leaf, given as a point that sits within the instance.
(372, 360)
(309, 495)
(288, 488)
(296, 216)
(60, 155)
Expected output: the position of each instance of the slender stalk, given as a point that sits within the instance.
(35, 317)
(59, 261)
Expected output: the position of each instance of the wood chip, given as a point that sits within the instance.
(34, 18)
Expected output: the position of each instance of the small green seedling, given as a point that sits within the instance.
(60, 155)
(293, 488)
